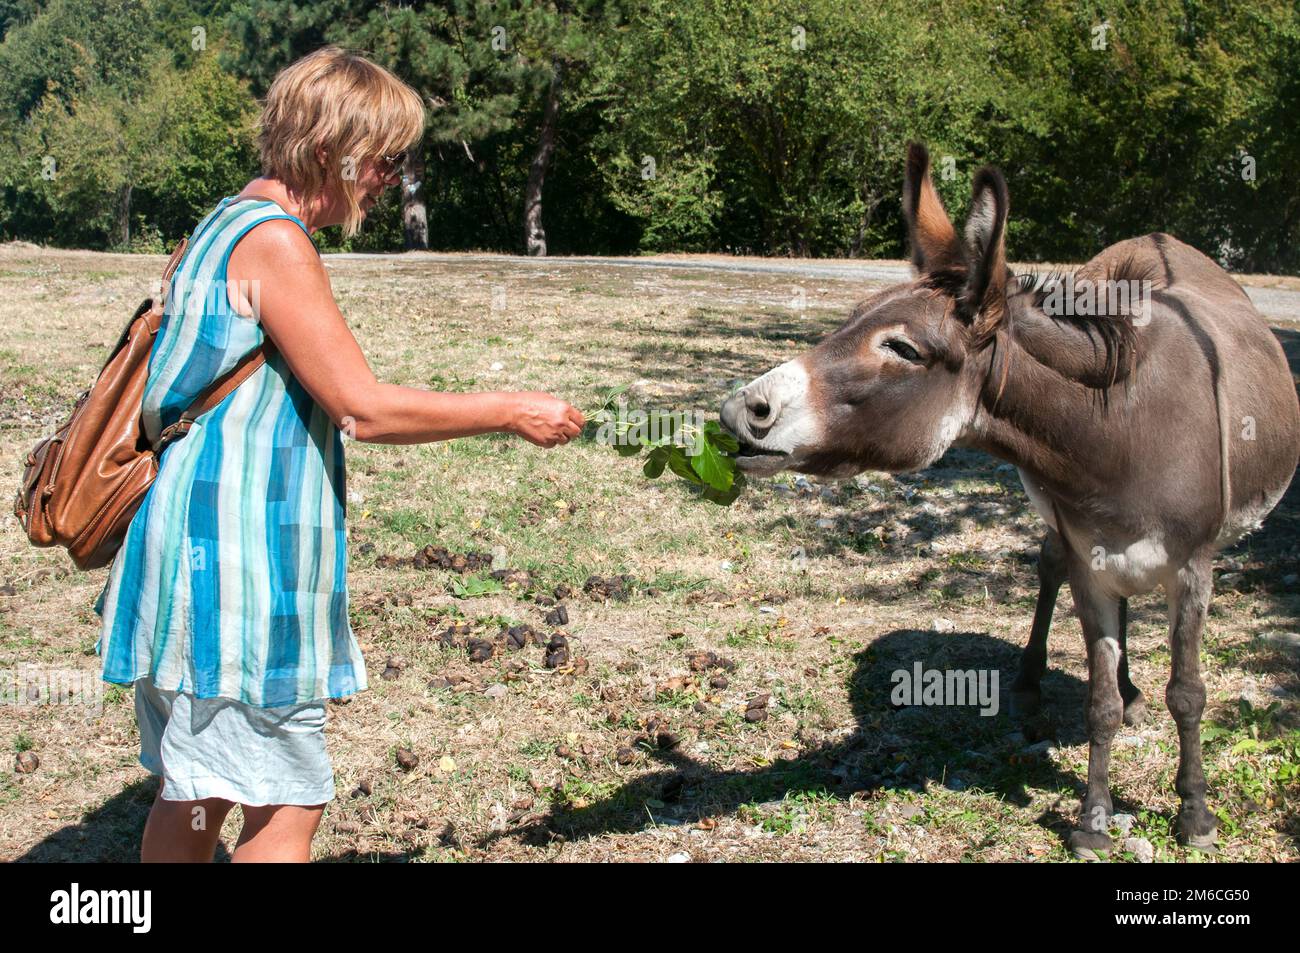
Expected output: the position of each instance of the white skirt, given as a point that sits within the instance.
(221, 748)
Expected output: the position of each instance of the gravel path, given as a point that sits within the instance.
(1278, 305)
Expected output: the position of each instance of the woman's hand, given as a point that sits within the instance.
(544, 420)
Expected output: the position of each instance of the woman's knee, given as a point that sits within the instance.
(278, 831)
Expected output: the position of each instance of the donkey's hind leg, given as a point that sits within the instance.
(1026, 698)
(1135, 705)
(1189, 599)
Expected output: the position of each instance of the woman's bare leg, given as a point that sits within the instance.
(278, 833)
(183, 831)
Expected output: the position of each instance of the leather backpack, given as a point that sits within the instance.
(82, 485)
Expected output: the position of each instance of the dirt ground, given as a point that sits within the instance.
(726, 692)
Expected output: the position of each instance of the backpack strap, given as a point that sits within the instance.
(224, 386)
(214, 395)
(160, 299)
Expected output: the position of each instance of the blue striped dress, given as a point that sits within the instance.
(231, 581)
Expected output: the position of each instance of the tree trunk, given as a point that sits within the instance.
(534, 233)
(124, 216)
(871, 199)
(415, 218)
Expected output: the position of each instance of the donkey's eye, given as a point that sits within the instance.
(903, 350)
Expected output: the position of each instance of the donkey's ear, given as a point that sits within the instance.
(934, 240)
(985, 297)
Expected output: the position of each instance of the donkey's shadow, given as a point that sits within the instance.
(890, 747)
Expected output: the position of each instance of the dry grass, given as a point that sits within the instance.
(815, 594)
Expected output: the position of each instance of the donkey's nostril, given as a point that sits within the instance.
(761, 410)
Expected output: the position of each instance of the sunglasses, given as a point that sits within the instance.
(392, 165)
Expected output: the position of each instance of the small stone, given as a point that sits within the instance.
(26, 762)
(407, 759)
(943, 625)
(1122, 823)
(681, 857)
(1282, 640)
(513, 578)
(1141, 849)
(496, 692)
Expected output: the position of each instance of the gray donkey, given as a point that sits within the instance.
(1147, 405)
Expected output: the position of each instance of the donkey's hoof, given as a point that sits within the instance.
(1025, 702)
(1090, 845)
(1135, 710)
(1198, 830)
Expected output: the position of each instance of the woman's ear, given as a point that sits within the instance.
(934, 240)
(985, 297)
(322, 156)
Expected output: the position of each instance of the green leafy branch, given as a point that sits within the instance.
(704, 456)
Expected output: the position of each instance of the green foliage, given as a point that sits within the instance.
(701, 455)
(475, 586)
(762, 126)
(212, 152)
(102, 133)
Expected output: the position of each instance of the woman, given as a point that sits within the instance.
(227, 604)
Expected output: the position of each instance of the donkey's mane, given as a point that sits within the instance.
(1111, 328)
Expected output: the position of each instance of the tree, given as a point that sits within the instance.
(484, 68)
(97, 150)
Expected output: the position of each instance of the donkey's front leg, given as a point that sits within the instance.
(1099, 615)
(1189, 598)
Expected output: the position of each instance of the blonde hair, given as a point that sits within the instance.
(347, 106)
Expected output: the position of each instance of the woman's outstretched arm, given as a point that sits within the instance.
(296, 308)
